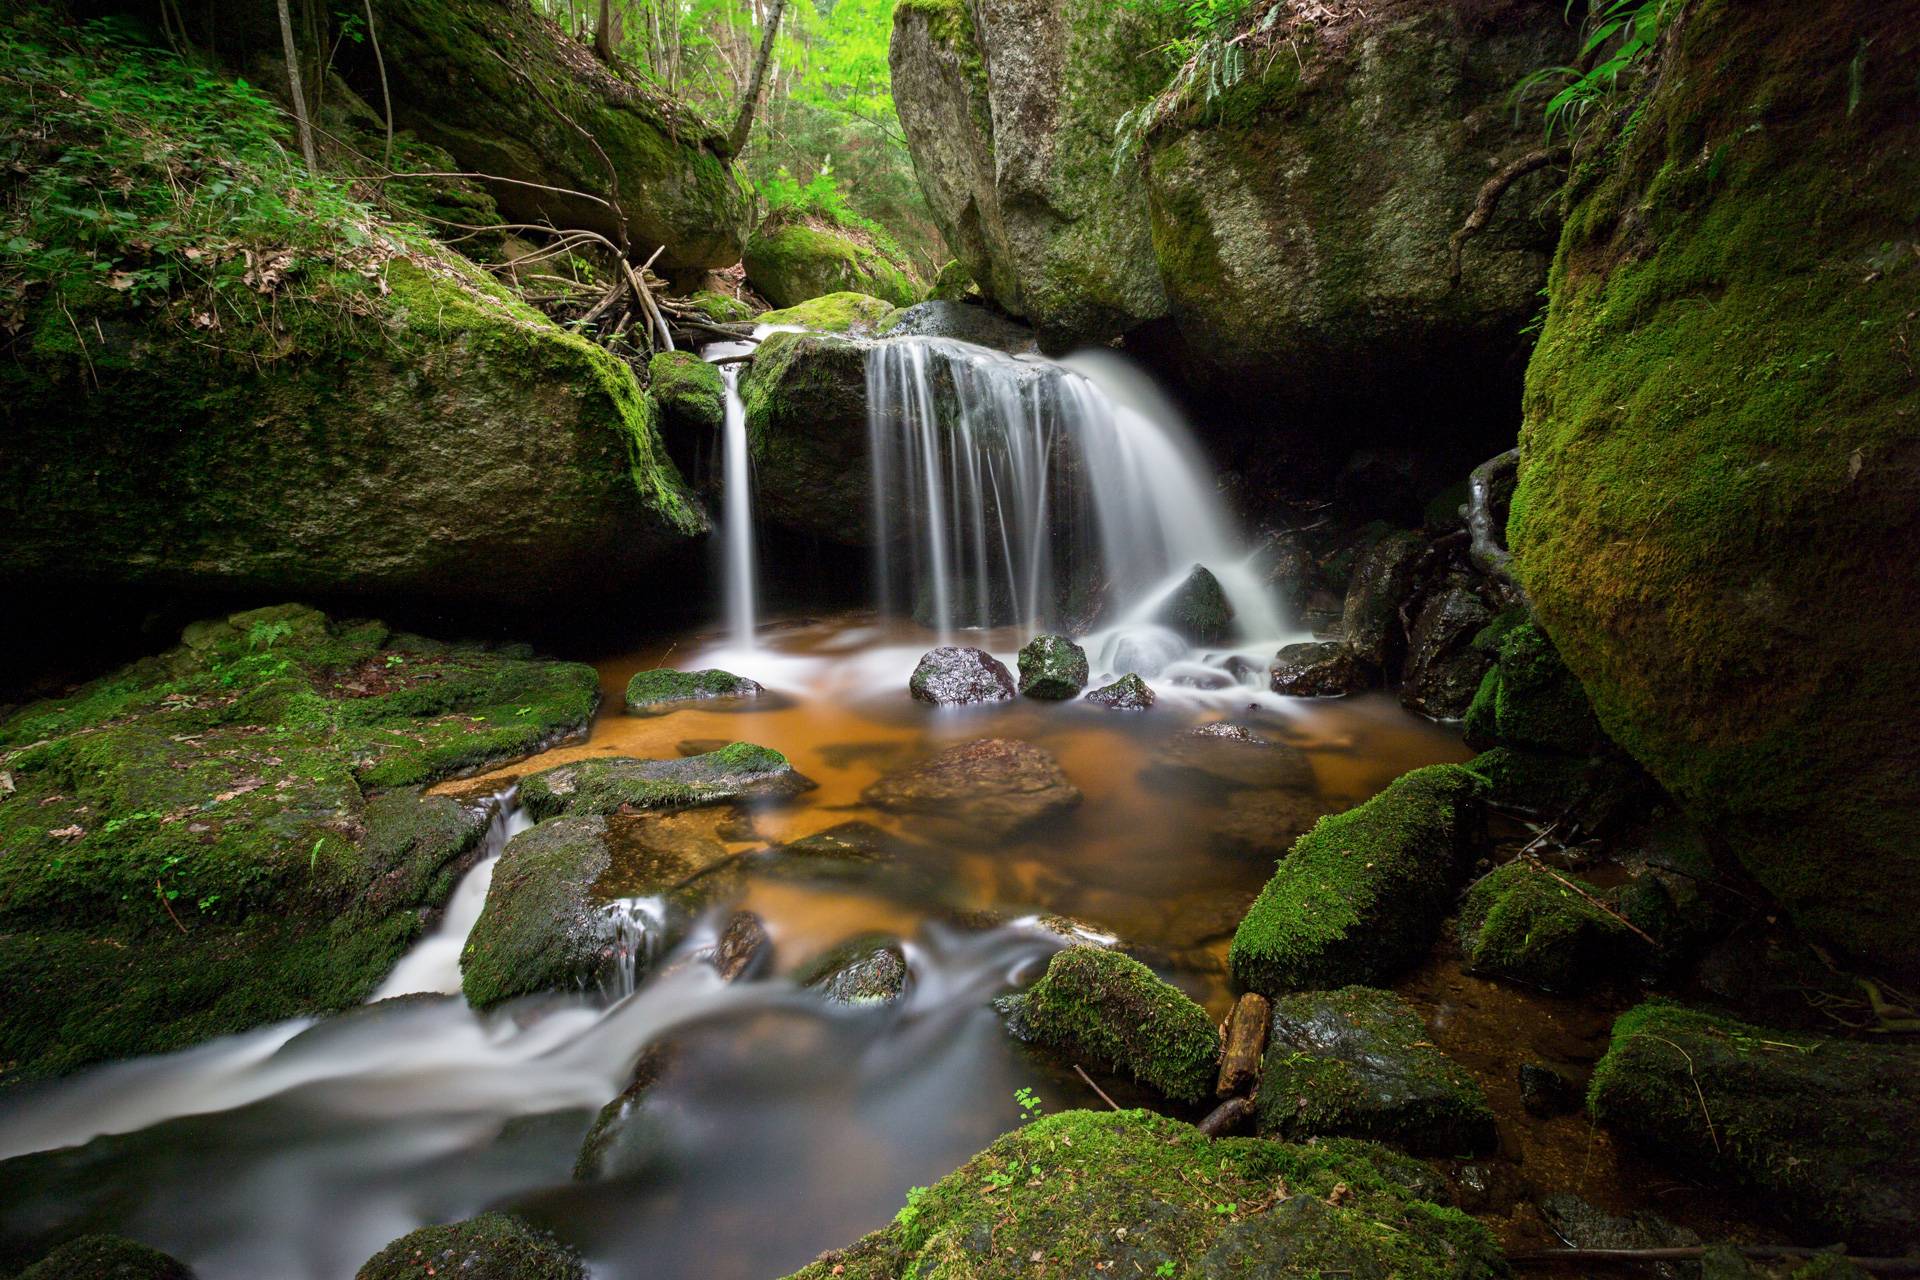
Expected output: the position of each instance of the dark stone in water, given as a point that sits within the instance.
(867, 970)
(1263, 824)
(624, 1138)
(963, 322)
(106, 1257)
(1198, 609)
(1052, 668)
(1318, 669)
(1228, 755)
(994, 785)
(1545, 1092)
(664, 687)
(951, 676)
(1583, 1226)
(493, 1246)
(1128, 693)
(1444, 669)
(744, 948)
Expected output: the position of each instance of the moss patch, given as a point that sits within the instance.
(792, 262)
(609, 785)
(844, 312)
(663, 686)
(689, 391)
(493, 1246)
(106, 1258)
(1109, 1009)
(1520, 922)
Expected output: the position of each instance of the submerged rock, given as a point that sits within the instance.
(1357, 1062)
(1160, 1218)
(743, 949)
(1317, 669)
(608, 784)
(867, 970)
(105, 1257)
(1545, 928)
(1198, 609)
(1544, 1092)
(493, 1246)
(1052, 668)
(1128, 693)
(994, 785)
(1821, 1128)
(623, 1138)
(791, 261)
(267, 773)
(1228, 757)
(1264, 823)
(665, 687)
(951, 676)
(1362, 895)
(1108, 1010)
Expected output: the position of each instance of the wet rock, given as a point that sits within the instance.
(624, 1138)
(805, 397)
(1053, 668)
(1544, 928)
(1206, 915)
(737, 771)
(105, 1257)
(1198, 609)
(963, 322)
(493, 1246)
(952, 676)
(666, 688)
(1290, 571)
(856, 840)
(1243, 670)
(1443, 668)
(1128, 693)
(1529, 699)
(1228, 757)
(1599, 792)
(994, 785)
(692, 399)
(744, 948)
(1318, 669)
(1362, 895)
(1357, 1062)
(1545, 1092)
(1821, 1128)
(867, 970)
(1582, 1225)
(1101, 1008)
(1161, 1216)
(1264, 823)
(790, 262)
(1382, 582)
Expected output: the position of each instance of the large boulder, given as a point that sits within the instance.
(1718, 492)
(493, 1246)
(1821, 1129)
(791, 261)
(1317, 669)
(1109, 1010)
(233, 833)
(806, 405)
(1531, 924)
(1362, 894)
(632, 162)
(102, 1257)
(994, 787)
(1198, 609)
(1047, 1201)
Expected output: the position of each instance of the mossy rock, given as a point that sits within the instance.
(953, 283)
(1715, 484)
(718, 307)
(1198, 609)
(1600, 792)
(865, 971)
(1128, 693)
(790, 262)
(1545, 929)
(1357, 1063)
(690, 393)
(613, 783)
(664, 687)
(1822, 1129)
(1528, 698)
(266, 774)
(106, 1258)
(852, 313)
(806, 403)
(1103, 1008)
(1052, 668)
(1138, 1193)
(493, 1246)
(1362, 895)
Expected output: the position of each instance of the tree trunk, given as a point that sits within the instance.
(604, 39)
(737, 140)
(292, 54)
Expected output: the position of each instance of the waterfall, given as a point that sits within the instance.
(1019, 490)
(433, 965)
(736, 524)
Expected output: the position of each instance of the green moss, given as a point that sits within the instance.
(613, 783)
(719, 307)
(806, 404)
(1052, 668)
(797, 261)
(106, 1258)
(1357, 1063)
(1821, 1128)
(1719, 453)
(845, 312)
(1362, 894)
(493, 1246)
(1523, 923)
(541, 928)
(954, 283)
(664, 686)
(1132, 1193)
(688, 390)
(1108, 1009)
(1529, 698)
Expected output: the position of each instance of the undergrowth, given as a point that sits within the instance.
(1617, 37)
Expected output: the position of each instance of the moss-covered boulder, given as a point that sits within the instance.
(1715, 486)
(864, 971)
(1052, 668)
(1546, 929)
(610, 784)
(106, 1258)
(1358, 1063)
(1049, 1201)
(690, 393)
(1528, 698)
(953, 283)
(663, 688)
(232, 833)
(244, 397)
(791, 261)
(806, 403)
(1198, 609)
(1822, 1129)
(855, 314)
(493, 1246)
(721, 308)
(1106, 1009)
(647, 169)
(1362, 894)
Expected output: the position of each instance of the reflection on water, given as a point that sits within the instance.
(781, 1126)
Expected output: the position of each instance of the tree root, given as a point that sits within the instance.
(1489, 198)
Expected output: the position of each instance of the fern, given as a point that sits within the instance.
(1630, 28)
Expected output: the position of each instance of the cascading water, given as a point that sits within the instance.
(736, 499)
(1014, 489)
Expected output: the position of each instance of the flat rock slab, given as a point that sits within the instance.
(735, 772)
(995, 785)
(1228, 756)
(664, 689)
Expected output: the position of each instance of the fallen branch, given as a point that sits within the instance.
(646, 295)
(1489, 198)
(169, 906)
(1650, 1257)
(744, 358)
(1096, 1088)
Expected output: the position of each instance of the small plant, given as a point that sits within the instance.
(910, 1212)
(999, 1180)
(1226, 1209)
(1164, 1270)
(1631, 27)
(1029, 1103)
(265, 635)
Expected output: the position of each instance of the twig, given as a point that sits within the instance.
(1489, 198)
(386, 97)
(646, 298)
(1596, 903)
(743, 358)
(1648, 1257)
(1096, 1088)
(484, 177)
(169, 906)
(1705, 1114)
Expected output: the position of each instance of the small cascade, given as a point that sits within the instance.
(635, 927)
(736, 523)
(433, 965)
(1044, 494)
